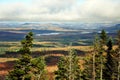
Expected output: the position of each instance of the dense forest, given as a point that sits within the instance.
(101, 63)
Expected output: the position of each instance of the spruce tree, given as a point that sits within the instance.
(27, 68)
(68, 67)
(94, 63)
(96, 58)
(92, 66)
(103, 43)
(103, 37)
(22, 68)
(118, 55)
(110, 66)
(38, 69)
(87, 73)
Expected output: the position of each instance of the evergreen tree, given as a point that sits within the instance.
(68, 67)
(103, 42)
(118, 55)
(110, 66)
(110, 44)
(93, 65)
(38, 69)
(103, 37)
(96, 58)
(26, 68)
(92, 61)
(22, 69)
(87, 73)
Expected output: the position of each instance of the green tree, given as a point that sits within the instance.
(103, 43)
(26, 68)
(22, 69)
(110, 66)
(103, 37)
(68, 67)
(38, 69)
(117, 56)
(96, 58)
(93, 65)
(87, 73)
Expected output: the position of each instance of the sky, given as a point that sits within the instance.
(60, 10)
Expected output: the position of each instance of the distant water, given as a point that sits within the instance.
(85, 32)
(45, 34)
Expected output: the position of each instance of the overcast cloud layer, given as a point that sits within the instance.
(61, 10)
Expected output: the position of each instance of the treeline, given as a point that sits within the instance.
(103, 63)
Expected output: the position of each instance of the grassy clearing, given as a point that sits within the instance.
(38, 46)
(7, 59)
(83, 48)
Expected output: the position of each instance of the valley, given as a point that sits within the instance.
(51, 41)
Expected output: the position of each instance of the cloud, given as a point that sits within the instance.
(62, 10)
(101, 9)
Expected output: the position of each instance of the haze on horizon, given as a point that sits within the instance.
(60, 10)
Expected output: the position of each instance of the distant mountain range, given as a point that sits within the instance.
(56, 32)
(113, 28)
(83, 27)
